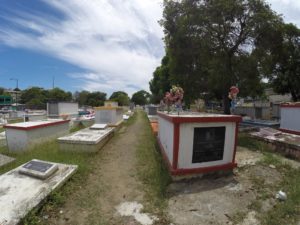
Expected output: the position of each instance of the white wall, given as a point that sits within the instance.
(69, 108)
(186, 144)
(290, 118)
(109, 116)
(165, 134)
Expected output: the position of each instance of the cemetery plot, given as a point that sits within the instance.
(285, 143)
(86, 140)
(198, 143)
(20, 193)
(22, 136)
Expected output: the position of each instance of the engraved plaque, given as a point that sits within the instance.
(208, 144)
(38, 168)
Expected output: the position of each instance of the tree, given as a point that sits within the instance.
(90, 98)
(285, 62)
(57, 94)
(209, 41)
(140, 98)
(160, 83)
(34, 97)
(121, 97)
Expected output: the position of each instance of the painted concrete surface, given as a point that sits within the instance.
(19, 140)
(99, 126)
(288, 144)
(86, 140)
(134, 209)
(290, 118)
(20, 193)
(112, 116)
(5, 160)
(186, 141)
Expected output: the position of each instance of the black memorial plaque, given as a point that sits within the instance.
(208, 144)
(38, 166)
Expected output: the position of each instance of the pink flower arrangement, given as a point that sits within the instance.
(175, 96)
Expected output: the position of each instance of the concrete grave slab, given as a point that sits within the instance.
(21, 193)
(5, 160)
(99, 126)
(86, 140)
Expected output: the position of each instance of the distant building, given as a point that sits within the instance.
(5, 100)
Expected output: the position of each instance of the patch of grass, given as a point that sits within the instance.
(18, 120)
(80, 126)
(286, 212)
(152, 171)
(255, 205)
(131, 120)
(238, 217)
(271, 159)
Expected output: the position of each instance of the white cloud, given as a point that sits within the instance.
(290, 10)
(118, 42)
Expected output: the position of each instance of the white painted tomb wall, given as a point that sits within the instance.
(21, 140)
(186, 139)
(111, 116)
(290, 118)
(165, 134)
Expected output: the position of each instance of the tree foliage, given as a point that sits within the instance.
(121, 97)
(210, 43)
(140, 97)
(90, 98)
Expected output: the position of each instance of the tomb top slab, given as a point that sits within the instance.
(14, 204)
(86, 136)
(35, 124)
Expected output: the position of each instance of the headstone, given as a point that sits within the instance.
(99, 126)
(39, 169)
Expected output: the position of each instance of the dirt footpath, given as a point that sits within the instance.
(113, 182)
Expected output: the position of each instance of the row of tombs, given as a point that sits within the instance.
(38, 178)
(196, 143)
(190, 143)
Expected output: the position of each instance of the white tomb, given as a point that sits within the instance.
(62, 109)
(290, 118)
(22, 136)
(198, 143)
(20, 193)
(113, 116)
(86, 140)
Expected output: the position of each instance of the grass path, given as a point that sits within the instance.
(127, 169)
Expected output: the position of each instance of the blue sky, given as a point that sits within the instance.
(96, 45)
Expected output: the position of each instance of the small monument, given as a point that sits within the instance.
(110, 114)
(39, 169)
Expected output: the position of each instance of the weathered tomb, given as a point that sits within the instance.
(22, 136)
(20, 193)
(198, 143)
(86, 140)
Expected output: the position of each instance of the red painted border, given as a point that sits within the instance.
(228, 166)
(177, 172)
(206, 119)
(289, 131)
(37, 126)
(176, 136)
(292, 105)
(235, 141)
